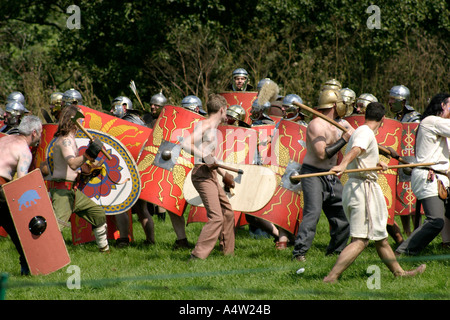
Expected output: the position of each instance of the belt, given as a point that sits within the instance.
(64, 185)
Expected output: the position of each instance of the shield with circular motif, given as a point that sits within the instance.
(131, 135)
(117, 186)
(163, 165)
(236, 145)
(406, 199)
(285, 156)
(244, 99)
(388, 135)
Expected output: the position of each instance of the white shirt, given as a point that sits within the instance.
(431, 146)
(364, 138)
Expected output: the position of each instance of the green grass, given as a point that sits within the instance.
(256, 272)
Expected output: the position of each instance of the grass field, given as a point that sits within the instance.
(256, 272)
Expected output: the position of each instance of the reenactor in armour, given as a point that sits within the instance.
(349, 97)
(56, 104)
(14, 111)
(363, 101)
(157, 102)
(236, 116)
(240, 81)
(193, 103)
(122, 107)
(291, 111)
(258, 113)
(399, 105)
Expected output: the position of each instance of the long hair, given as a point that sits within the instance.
(65, 123)
(434, 108)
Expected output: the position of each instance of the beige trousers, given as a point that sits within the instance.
(220, 224)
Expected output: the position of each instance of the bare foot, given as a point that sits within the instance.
(419, 270)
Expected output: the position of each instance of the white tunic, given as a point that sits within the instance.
(363, 199)
(431, 146)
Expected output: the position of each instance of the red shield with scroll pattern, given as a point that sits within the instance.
(285, 156)
(163, 165)
(244, 99)
(406, 199)
(235, 145)
(388, 135)
(132, 135)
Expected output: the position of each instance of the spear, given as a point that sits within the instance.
(296, 178)
(133, 88)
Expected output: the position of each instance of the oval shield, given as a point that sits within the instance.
(118, 186)
(163, 165)
(388, 135)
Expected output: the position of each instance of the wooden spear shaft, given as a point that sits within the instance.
(344, 129)
(326, 173)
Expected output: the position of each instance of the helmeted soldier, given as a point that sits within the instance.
(399, 105)
(193, 103)
(363, 101)
(14, 112)
(349, 97)
(157, 102)
(122, 107)
(16, 96)
(291, 111)
(72, 96)
(240, 80)
(258, 115)
(56, 104)
(236, 116)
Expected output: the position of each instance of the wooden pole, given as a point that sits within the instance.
(326, 173)
(344, 129)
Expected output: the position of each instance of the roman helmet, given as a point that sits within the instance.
(349, 97)
(329, 98)
(193, 103)
(257, 109)
(291, 111)
(14, 110)
(331, 84)
(236, 112)
(398, 98)
(56, 102)
(17, 96)
(157, 102)
(117, 106)
(363, 101)
(72, 96)
(240, 72)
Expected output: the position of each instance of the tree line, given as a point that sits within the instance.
(192, 46)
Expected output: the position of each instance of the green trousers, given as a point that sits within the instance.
(66, 202)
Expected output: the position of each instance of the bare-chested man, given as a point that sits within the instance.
(202, 146)
(66, 199)
(323, 141)
(16, 159)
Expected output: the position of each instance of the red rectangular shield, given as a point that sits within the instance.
(27, 198)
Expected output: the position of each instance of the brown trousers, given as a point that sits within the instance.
(220, 215)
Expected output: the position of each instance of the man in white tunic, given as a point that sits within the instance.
(363, 199)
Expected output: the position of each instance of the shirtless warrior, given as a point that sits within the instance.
(323, 141)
